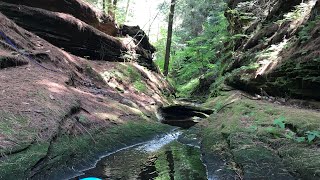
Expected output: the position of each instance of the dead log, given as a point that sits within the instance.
(139, 36)
(77, 8)
(143, 46)
(65, 31)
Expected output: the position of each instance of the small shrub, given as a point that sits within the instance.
(280, 122)
(311, 135)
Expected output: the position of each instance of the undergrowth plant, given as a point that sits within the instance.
(135, 78)
(305, 33)
(309, 136)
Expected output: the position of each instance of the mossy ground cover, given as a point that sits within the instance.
(67, 151)
(245, 132)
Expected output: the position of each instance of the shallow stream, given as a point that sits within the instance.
(164, 157)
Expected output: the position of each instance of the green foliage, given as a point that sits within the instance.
(195, 44)
(135, 78)
(199, 56)
(140, 86)
(305, 33)
(82, 119)
(311, 135)
(194, 14)
(161, 48)
(186, 89)
(280, 122)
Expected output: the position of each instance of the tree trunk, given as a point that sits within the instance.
(169, 38)
(110, 8)
(104, 5)
(115, 2)
(127, 11)
(114, 8)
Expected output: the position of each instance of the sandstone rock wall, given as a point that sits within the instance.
(278, 52)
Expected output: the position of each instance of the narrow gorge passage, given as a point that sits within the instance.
(159, 90)
(174, 154)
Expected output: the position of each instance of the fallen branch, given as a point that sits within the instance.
(226, 105)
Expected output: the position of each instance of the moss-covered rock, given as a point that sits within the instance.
(44, 160)
(283, 40)
(246, 134)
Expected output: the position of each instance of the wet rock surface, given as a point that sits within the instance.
(162, 158)
(184, 116)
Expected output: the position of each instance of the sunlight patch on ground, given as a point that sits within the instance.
(109, 116)
(53, 87)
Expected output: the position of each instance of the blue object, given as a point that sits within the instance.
(90, 178)
(2, 34)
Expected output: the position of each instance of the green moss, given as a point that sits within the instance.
(14, 126)
(245, 130)
(184, 90)
(91, 72)
(17, 165)
(131, 72)
(134, 76)
(305, 161)
(67, 150)
(140, 86)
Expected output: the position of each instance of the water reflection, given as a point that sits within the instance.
(162, 158)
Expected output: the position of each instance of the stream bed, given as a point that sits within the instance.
(164, 157)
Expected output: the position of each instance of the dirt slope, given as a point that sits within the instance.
(47, 93)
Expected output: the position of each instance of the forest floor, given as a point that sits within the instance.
(262, 139)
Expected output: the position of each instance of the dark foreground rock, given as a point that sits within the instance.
(82, 37)
(183, 115)
(66, 31)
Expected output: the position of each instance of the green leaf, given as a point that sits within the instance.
(82, 119)
(253, 128)
(280, 122)
(290, 135)
(311, 137)
(300, 139)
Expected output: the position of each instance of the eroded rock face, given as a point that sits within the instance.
(80, 30)
(66, 31)
(77, 8)
(280, 55)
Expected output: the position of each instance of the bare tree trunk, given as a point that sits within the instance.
(110, 8)
(127, 11)
(169, 38)
(114, 6)
(104, 5)
(115, 2)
